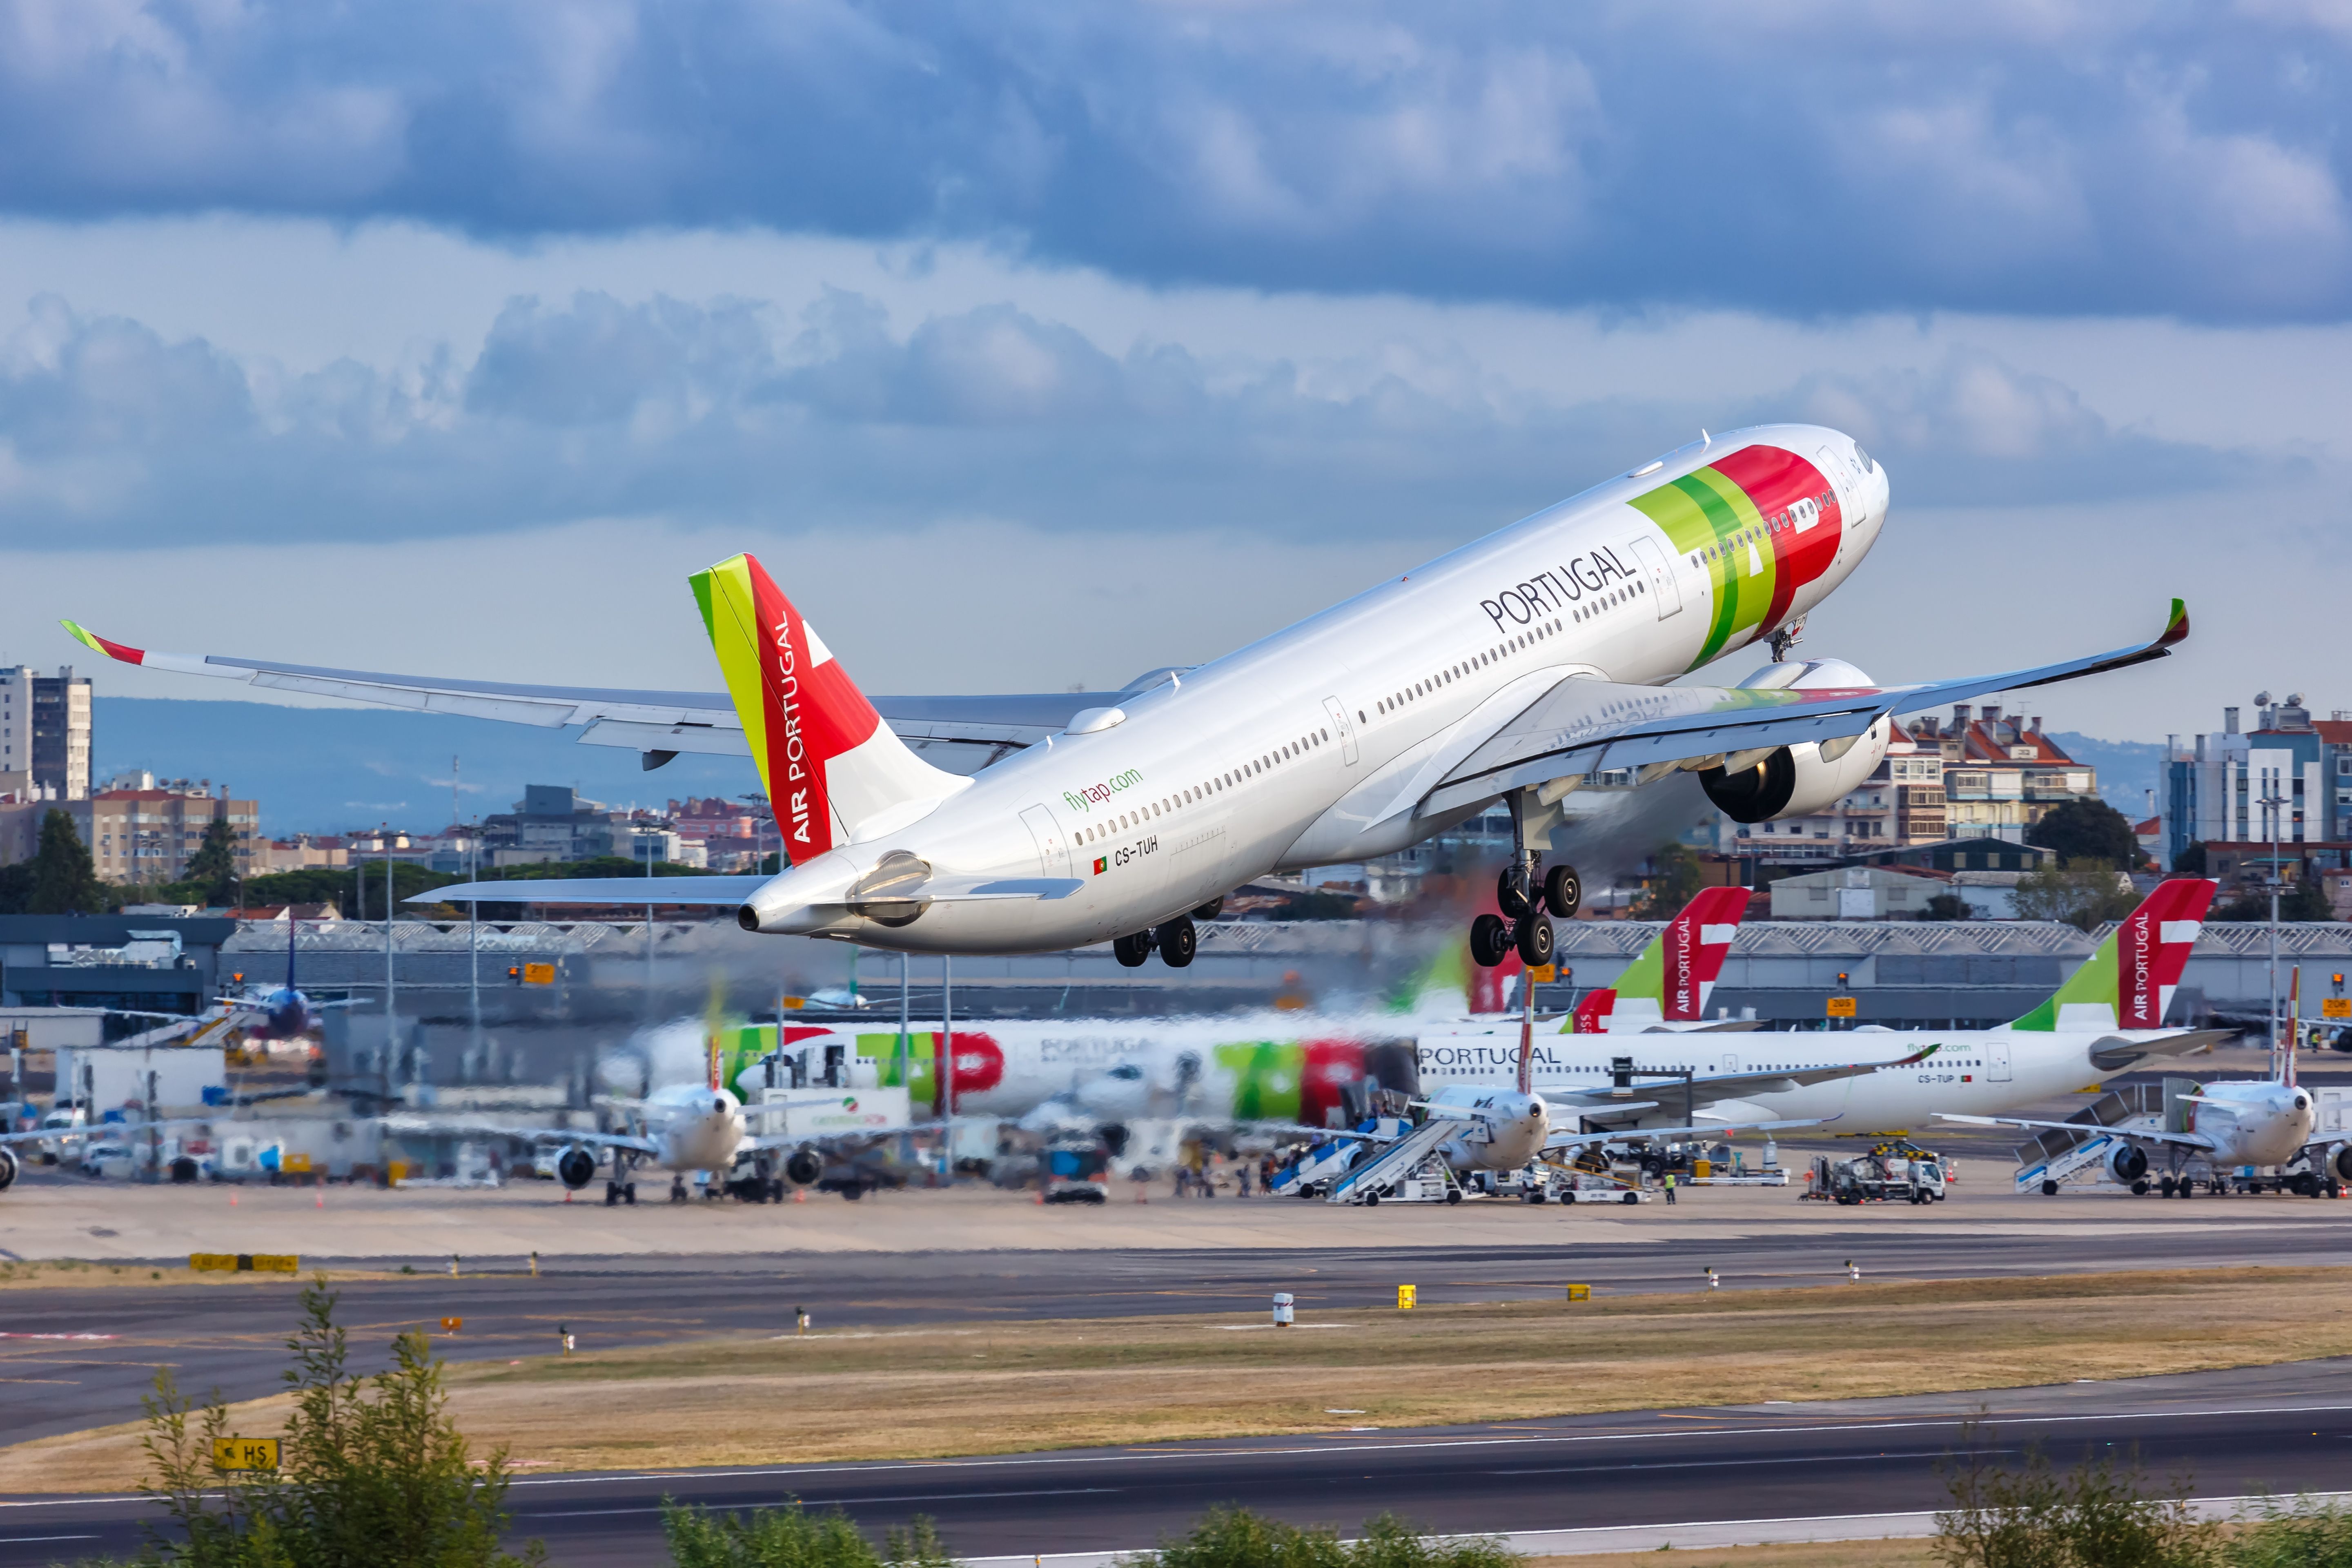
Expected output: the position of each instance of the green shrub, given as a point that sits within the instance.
(793, 1538)
(1236, 1538)
(2103, 1513)
(2306, 1535)
(374, 1474)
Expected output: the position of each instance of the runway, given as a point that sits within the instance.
(2272, 1428)
(74, 1358)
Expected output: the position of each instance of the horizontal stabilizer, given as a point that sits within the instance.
(726, 892)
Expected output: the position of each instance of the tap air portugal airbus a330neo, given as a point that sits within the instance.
(1512, 670)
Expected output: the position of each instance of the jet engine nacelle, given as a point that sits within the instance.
(2339, 1159)
(2128, 1162)
(7, 1169)
(1810, 776)
(575, 1168)
(803, 1167)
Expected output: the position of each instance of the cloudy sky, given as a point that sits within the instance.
(1038, 345)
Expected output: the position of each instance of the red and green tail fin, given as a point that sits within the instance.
(2127, 983)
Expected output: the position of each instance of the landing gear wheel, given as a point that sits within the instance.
(629, 1195)
(1490, 939)
(677, 1189)
(1177, 942)
(1511, 892)
(1535, 942)
(1132, 950)
(2164, 1187)
(1563, 892)
(612, 1194)
(2140, 1189)
(1211, 910)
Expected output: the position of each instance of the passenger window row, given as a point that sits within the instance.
(1193, 795)
(1516, 642)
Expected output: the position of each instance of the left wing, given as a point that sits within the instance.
(400, 1124)
(660, 724)
(1582, 726)
(1724, 1086)
(1559, 1140)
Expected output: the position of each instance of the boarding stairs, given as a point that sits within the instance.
(1401, 1167)
(2057, 1155)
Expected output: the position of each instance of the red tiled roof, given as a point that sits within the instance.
(2334, 732)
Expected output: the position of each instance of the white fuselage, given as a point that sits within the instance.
(1502, 1129)
(694, 1126)
(2260, 1123)
(1318, 744)
(1981, 1072)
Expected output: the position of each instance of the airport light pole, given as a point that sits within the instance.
(474, 938)
(390, 1022)
(2273, 805)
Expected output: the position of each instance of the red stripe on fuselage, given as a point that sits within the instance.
(1776, 480)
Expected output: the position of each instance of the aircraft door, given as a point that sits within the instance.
(1053, 846)
(1663, 589)
(1997, 1057)
(1343, 728)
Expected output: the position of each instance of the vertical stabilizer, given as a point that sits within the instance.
(2128, 982)
(834, 772)
(1671, 979)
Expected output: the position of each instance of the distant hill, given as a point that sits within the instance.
(2127, 770)
(330, 770)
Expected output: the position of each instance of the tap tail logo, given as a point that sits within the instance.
(2128, 982)
(1671, 980)
(823, 750)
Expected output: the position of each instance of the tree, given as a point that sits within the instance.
(2191, 861)
(2082, 893)
(1946, 907)
(2086, 829)
(64, 882)
(212, 870)
(372, 1469)
(2298, 901)
(1675, 879)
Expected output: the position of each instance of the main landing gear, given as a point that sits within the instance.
(1176, 941)
(1528, 893)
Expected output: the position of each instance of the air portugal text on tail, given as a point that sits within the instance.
(1514, 668)
(2128, 983)
(834, 771)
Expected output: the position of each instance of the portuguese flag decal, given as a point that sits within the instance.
(1102, 863)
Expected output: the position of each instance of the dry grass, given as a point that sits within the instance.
(1000, 1387)
(1806, 1554)
(43, 1274)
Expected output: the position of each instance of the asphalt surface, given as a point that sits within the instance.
(2226, 1434)
(72, 1358)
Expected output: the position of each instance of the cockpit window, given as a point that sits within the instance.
(1863, 459)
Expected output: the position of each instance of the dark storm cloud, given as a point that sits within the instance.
(737, 413)
(1809, 158)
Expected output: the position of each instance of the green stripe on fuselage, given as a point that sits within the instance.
(1696, 513)
(1754, 593)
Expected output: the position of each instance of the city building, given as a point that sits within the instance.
(735, 834)
(44, 734)
(2001, 774)
(303, 852)
(1854, 893)
(146, 835)
(2289, 779)
(554, 822)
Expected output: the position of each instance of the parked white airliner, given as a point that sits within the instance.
(1511, 670)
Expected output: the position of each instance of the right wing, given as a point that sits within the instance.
(1582, 726)
(660, 724)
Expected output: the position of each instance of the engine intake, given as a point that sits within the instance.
(803, 1167)
(7, 1169)
(2128, 1162)
(575, 1168)
(2339, 1159)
